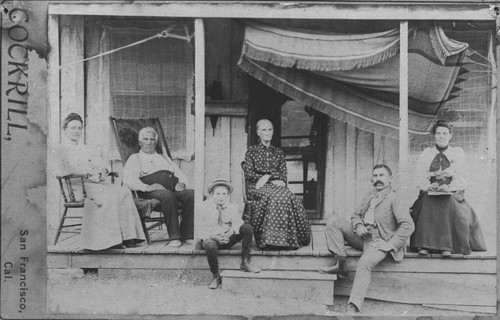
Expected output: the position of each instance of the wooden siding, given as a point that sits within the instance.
(351, 155)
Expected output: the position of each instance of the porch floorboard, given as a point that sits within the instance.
(459, 280)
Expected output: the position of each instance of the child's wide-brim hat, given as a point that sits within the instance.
(220, 182)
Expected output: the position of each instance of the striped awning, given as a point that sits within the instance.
(355, 78)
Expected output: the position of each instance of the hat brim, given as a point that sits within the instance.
(220, 183)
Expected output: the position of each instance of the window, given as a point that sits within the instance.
(154, 79)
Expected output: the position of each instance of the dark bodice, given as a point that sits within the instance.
(261, 160)
(439, 163)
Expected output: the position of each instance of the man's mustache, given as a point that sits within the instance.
(377, 182)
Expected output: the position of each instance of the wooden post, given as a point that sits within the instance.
(54, 123)
(497, 117)
(403, 110)
(72, 74)
(199, 117)
(492, 116)
(330, 194)
(350, 170)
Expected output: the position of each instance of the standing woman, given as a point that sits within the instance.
(111, 218)
(444, 221)
(278, 218)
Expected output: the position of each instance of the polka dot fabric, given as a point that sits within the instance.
(278, 217)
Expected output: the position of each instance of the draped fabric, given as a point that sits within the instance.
(355, 77)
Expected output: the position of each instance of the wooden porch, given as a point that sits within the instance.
(465, 283)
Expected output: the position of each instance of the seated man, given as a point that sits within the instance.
(150, 174)
(379, 227)
(221, 227)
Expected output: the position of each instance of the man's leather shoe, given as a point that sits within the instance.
(339, 268)
(352, 309)
(248, 267)
(216, 282)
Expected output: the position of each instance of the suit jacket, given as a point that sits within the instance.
(395, 224)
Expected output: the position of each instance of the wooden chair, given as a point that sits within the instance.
(247, 212)
(69, 203)
(126, 133)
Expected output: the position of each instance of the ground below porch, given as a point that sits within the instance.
(465, 283)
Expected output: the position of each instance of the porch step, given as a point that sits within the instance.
(286, 284)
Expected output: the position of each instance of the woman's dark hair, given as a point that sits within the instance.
(70, 117)
(441, 123)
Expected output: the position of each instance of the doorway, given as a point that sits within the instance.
(301, 132)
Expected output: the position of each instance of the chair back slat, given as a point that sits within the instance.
(61, 186)
(84, 192)
(69, 187)
(243, 182)
(247, 212)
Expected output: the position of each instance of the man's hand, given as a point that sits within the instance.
(360, 230)
(279, 183)
(226, 235)
(180, 186)
(382, 245)
(153, 187)
(262, 181)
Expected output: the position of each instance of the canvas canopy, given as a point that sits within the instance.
(355, 77)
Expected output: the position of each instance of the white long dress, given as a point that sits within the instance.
(110, 215)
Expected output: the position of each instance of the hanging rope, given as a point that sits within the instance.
(164, 34)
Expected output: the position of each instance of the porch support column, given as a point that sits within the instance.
(54, 124)
(403, 109)
(494, 92)
(199, 117)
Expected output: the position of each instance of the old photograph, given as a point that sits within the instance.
(219, 159)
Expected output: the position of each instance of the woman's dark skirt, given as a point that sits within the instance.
(446, 222)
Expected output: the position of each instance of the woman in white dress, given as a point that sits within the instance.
(110, 219)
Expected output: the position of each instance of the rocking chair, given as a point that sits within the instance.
(126, 132)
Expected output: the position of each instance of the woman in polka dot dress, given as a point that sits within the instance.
(278, 218)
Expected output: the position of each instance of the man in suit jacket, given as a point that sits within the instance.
(379, 226)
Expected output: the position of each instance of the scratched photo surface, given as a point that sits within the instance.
(328, 76)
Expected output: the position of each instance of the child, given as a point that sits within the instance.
(221, 227)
